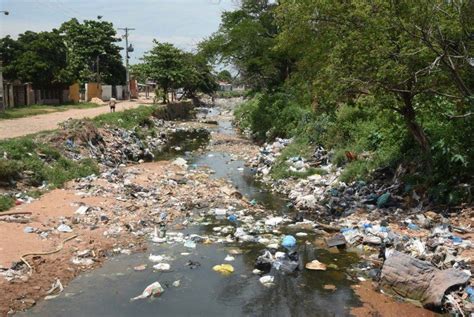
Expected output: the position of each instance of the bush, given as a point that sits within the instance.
(6, 202)
(9, 170)
(271, 115)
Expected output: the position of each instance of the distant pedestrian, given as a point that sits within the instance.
(112, 103)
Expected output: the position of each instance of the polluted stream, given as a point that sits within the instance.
(203, 292)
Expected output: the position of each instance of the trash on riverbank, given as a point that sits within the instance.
(419, 280)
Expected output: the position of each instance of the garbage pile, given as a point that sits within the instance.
(112, 146)
(267, 157)
(376, 218)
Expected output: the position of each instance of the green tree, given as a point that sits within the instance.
(246, 39)
(138, 72)
(349, 49)
(225, 75)
(199, 77)
(39, 58)
(164, 64)
(91, 43)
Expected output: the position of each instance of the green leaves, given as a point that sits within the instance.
(172, 68)
(88, 43)
(61, 57)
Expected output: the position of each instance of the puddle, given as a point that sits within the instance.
(203, 292)
(182, 142)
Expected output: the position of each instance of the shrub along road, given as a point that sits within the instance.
(30, 125)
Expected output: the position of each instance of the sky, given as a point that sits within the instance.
(181, 22)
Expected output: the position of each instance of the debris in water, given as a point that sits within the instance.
(153, 289)
(315, 265)
(224, 268)
(267, 280)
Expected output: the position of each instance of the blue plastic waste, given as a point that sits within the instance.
(346, 230)
(470, 292)
(232, 218)
(456, 240)
(412, 226)
(288, 242)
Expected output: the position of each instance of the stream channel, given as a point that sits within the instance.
(202, 292)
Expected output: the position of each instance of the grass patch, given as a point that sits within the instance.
(127, 119)
(39, 162)
(28, 111)
(10, 170)
(6, 202)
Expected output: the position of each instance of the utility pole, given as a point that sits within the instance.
(2, 95)
(127, 50)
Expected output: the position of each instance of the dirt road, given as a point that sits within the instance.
(34, 124)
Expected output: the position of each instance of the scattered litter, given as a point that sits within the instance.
(177, 283)
(64, 228)
(29, 230)
(267, 280)
(224, 268)
(151, 290)
(56, 288)
(162, 267)
(329, 287)
(316, 266)
(229, 258)
(139, 268)
(288, 242)
(190, 244)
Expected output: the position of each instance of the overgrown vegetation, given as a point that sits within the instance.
(384, 83)
(37, 163)
(27, 111)
(127, 119)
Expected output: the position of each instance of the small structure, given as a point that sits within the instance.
(17, 94)
(225, 86)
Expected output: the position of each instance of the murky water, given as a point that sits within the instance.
(203, 292)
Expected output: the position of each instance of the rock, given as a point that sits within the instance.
(419, 280)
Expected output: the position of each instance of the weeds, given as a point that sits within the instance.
(6, 202)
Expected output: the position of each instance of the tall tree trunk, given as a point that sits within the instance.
(416, 130)
(165, 95)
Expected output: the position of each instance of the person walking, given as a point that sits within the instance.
(112, 103)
